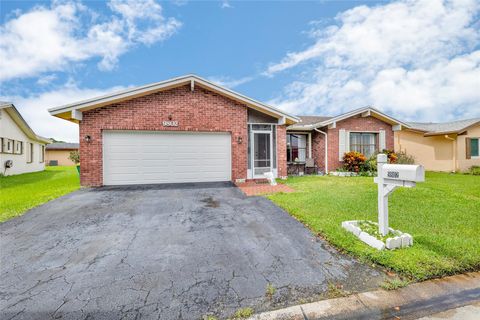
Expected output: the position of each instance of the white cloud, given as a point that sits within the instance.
(229, 82)
(225, 4)
(50, 38)
(414, 59)
(47, 79)
(34, 109)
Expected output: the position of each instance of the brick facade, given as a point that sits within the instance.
(281, 151)
(200, 110)
(356, 123)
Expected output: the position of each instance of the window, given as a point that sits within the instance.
(18, 147)
(296, 147)
(29, 152)
(474, 147)
(42, 153)
(365, 143)
(7, 145)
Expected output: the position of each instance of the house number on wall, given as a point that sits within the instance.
(170, 123)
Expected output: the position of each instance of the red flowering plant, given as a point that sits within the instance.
(391, 155)
(353, 161)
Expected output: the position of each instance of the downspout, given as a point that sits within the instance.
(454, 151)
(326, 148)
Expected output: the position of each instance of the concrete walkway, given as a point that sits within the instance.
(412, 302)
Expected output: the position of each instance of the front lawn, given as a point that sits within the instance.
(22, 192)
(442, 214)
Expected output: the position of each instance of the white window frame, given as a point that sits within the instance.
(377, 139)
(30, 152)
(8, 142)
(42, 153)
(17, 143)
(307, 145)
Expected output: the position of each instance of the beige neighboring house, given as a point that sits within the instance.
(19, 145)
(450, 146)
(58, 153)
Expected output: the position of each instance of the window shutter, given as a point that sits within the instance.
(347, 141)
(468, 148)
(341, 143)
(381, 140)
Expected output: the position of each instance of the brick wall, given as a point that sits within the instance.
(281, 151)
(356, 123)
(200, 110)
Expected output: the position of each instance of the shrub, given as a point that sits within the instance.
(404, 158)
(353, 161)
(391, 156)
(371, 164)
(74, 156)
(474, 170)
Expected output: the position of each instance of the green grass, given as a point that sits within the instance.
(243, 313)
(22, 192)
(394, 284)
(442, 214)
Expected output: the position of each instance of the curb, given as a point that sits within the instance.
(414, 301)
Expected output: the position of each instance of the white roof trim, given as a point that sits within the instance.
(22, 124)
(356, 112)
(146, 89)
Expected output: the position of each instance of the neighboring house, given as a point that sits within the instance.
(327, 139)
(189, 129)
(19, 144)
(450, 146)
(58, 153)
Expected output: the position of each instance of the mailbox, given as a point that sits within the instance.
(390, 177)
(408, 172)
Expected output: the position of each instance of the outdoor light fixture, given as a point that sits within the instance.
(87, 138)
(170, 117)
(239, 140)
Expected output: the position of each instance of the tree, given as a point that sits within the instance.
(74, 156)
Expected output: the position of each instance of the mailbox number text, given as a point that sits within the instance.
(393, 174)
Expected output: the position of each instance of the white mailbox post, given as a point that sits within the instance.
(391, 176)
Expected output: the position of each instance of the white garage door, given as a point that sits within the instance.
(144, 157)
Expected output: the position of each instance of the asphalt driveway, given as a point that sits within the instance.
(168, 252)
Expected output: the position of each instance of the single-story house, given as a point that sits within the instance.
(326, 139)
(58, 153)
(189, 129)
(450, 146)
(21, 149)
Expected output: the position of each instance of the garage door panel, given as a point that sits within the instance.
(139, 157)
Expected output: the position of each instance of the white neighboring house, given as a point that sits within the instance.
(19, 143)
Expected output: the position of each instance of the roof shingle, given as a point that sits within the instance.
(62, 146)
(454, 126)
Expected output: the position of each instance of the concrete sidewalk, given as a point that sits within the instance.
(412, 302)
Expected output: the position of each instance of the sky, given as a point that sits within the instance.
(415, 60)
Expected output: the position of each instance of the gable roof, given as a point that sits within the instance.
(63, 146)
(431, 128)
(21, 123)
(312, 122)
(65, 111)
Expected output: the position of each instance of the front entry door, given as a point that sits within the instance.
(262, 153)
